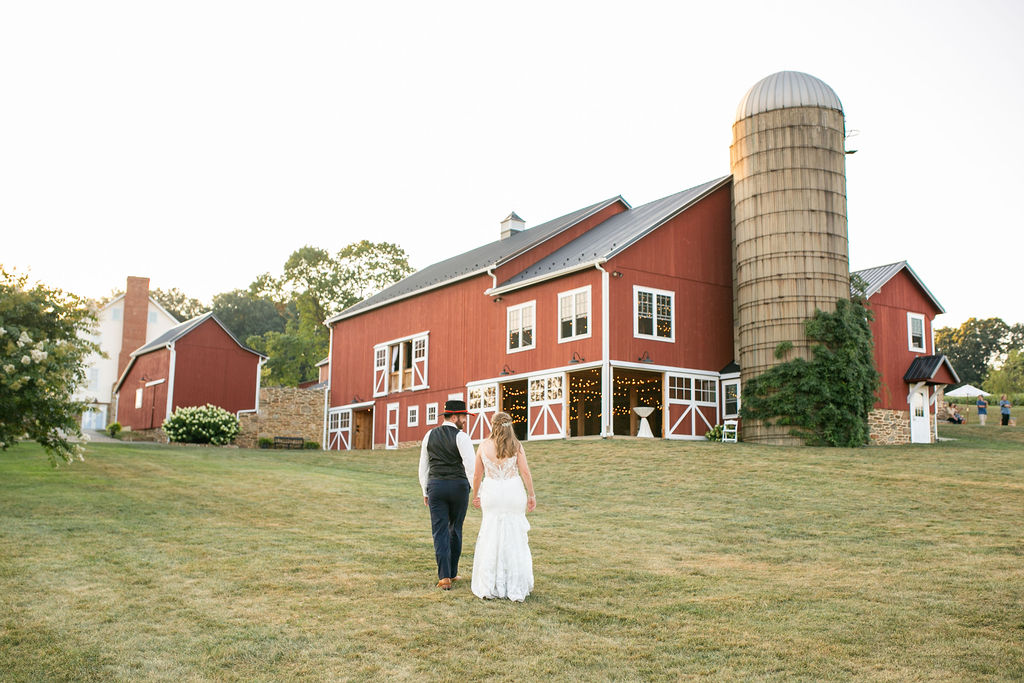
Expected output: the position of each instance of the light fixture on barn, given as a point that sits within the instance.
(506, 370)
(616, 273)
(356, 399)
(497, 299)
(576, 357)
(645, 358)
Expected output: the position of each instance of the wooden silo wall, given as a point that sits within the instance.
(791, 254)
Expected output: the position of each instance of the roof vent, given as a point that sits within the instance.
(511, 225)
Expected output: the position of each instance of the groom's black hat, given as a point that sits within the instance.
(455, 408)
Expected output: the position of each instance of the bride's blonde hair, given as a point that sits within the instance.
(505, 442)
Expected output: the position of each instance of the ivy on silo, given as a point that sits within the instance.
(824, 401)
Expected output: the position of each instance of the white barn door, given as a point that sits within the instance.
(691, 406)
(482, 405)
(339, 429)
(391, 430)
(546, 407)
(920, 426)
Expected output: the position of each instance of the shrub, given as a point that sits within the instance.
(265, 442)
(714, 434)
(201, 424)
(113, 429)
(311, 446)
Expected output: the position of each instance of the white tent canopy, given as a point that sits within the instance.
(967, 390)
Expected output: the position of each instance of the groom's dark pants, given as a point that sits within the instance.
(448, 500)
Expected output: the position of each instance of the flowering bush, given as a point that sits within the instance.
(43, 347)
(202, 424)
(715, 433)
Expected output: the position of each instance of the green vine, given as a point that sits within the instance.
(824, 401)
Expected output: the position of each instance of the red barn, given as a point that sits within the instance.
(905, 355)
(567, 326)
(198, 362)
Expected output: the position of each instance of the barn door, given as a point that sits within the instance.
(419, 362)
(339, 429)
(546, 407)
(391, 430)
(482, 405)
(920, 426)
(691, 406)
(380, 371)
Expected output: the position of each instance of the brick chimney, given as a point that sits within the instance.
(133, 319)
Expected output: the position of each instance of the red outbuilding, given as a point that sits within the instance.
(197, 362)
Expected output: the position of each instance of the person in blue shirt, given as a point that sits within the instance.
(982, 410)
(1004, 408)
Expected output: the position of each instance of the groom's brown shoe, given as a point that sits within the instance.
(445, 584)
(457, 578)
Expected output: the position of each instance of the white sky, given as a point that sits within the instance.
(200, 143)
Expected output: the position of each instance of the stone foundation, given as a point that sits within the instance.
(284, 411)
(889, 427)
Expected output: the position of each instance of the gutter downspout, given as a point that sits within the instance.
(170, 381)
(327, 389)
(494, 278)
(606, 368)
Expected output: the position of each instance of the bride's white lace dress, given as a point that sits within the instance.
(502, 563)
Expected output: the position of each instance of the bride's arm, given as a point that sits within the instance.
(478, 475)
(524, 473)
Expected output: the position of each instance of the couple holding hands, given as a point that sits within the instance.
(502, 563)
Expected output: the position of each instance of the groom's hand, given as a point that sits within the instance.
(425, 501)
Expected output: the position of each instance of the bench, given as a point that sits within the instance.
(288, 442)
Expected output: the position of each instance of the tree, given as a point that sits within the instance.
(1009, 378)
(313, 287)
(825, 401)
(246, 314)
(177, 303)
(42, 360)
(973, 346)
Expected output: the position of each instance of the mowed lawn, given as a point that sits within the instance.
(653, 560)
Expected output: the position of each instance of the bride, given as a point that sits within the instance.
(502, 564)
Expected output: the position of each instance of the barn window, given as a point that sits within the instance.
(138, 398)
(431, 414)
(915, 331)
(400, 365)
(413, 416)
(574, 314)
(520, 327)
(653, 314)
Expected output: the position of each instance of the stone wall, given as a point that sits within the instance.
(284, 411)
(889, 427)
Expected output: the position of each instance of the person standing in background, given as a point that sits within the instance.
(982, 410)
(1004, 409)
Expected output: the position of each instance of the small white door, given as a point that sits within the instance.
(391, 433)
(920, 427)
(339, 430)
(482, 405)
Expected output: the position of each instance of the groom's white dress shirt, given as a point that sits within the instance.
(465, 450)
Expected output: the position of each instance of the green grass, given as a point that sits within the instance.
(653, 561)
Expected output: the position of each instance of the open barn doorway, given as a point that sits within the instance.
(585, 403)
(513, 402)
(632, 389)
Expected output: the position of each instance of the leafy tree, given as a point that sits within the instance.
(825, 401)
(179, 304)
(42, 360)
(313, 287)
(973, 346)
(1009, 378)
(246, 314)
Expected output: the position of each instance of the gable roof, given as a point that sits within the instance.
(174, 334)
(877, 277)
(924, 369)
(611, 237)
(474, 261)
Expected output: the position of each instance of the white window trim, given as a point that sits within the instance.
(558, 314)
(910, 332)
(431, 407)
(636, 317)
(529, 304)
(739, 398)
(412, 416)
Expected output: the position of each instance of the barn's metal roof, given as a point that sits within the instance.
(474, 261)
(787, 89)
(924, 369)
(604, 241)
(877, 277)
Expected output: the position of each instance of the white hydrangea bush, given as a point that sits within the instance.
(202, 424)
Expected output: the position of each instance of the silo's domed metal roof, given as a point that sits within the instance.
(787, 89)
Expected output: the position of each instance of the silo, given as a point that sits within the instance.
(790, 250)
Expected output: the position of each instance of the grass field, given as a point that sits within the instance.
(653, 561)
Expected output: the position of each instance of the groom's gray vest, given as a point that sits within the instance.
(443, 455)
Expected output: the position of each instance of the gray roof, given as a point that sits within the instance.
(787, 89)
(473, 261)
(604, 241)
(877, 277)
(179, 331)
(924, 368)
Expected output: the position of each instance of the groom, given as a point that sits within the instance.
(446, 468)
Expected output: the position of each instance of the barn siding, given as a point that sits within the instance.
(150, 367)
(210, 367)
